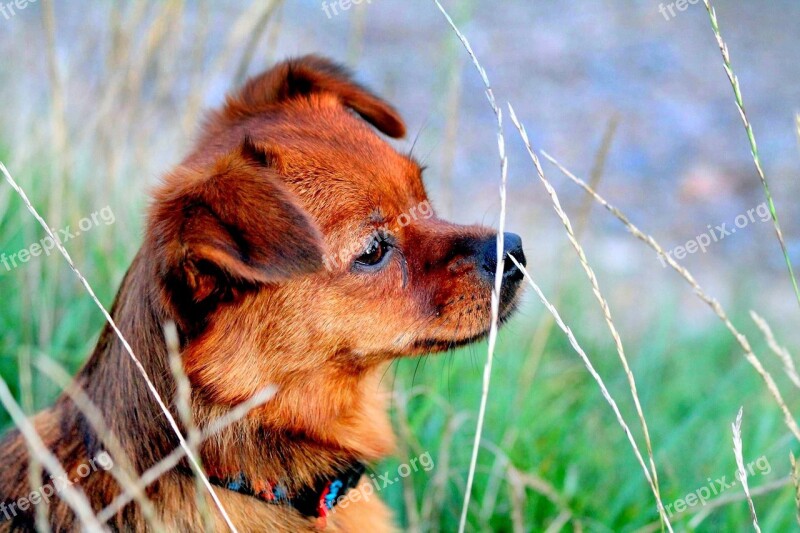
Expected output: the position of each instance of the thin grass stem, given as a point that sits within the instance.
(737, 94)
(122, 339)
(500, 267)
(715, 306)
(741, 473)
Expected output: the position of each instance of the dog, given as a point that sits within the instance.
(293, 246)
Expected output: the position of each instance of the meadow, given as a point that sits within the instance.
(553, 456)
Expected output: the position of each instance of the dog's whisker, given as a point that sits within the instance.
(416, 137)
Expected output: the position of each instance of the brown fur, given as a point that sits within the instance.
(285, 173)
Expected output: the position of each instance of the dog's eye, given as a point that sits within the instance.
(375, 254)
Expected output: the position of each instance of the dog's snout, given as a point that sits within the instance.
(512, 245)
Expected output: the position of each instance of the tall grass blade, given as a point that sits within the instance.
(603, 305)
(741, 473)
(173, 424)
(603, 389)
(737, 94)
(500, 267)
(715, 306)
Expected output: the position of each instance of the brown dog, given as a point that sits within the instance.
(294, 247)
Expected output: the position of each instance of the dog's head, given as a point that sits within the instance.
(295, 240)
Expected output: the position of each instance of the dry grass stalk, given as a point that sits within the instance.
(155, 38)
(152, 67)
(500, 267)
(173, 424)
(452, 102)
(544, 328)
(167, 60)
(97, 124)
(797, 125)
(546, 489)
(41, 521)
(517, 478)
(795, 477)
(701, 513)
(597, 171)
(72, 496)
(261, 25)
(196, 70)
(60, 165)
(240, 32)
(777, 349)
(123, 470)
(272, 38)
(491, 490)
(434, 500)
(58, 113)
(711, 302)
(603, 389)
(737, 93)
(516, 490)
(602, 301)
(171, 461)
(557, 525)
(405, 444)
(355, 40)
(741, 473)
(183, 402)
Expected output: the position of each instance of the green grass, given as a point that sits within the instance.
(691, 381)
(45, 310)
(691, 388)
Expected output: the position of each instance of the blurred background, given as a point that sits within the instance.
(101, 98)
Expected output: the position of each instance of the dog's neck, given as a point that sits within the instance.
(284, 440)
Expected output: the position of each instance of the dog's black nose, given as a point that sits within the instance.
(512, 245)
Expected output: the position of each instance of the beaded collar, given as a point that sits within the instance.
(314, 501)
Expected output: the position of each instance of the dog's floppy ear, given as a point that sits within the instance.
(307, 75)
(234, 225)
